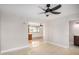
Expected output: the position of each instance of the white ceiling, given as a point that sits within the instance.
(32, 10)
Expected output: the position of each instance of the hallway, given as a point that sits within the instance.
(42, 48)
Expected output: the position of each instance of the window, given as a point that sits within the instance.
(34, 29)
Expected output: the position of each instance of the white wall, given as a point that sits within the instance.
(13, 31)
(57, 32)
(76, 29)
(0, 35)
(71, 33)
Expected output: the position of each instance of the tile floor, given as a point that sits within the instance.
(38, 47)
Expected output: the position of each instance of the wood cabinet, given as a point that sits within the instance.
(76, 40)
(30, 36)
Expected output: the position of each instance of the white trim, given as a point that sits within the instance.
(14, 49)
(57, 44)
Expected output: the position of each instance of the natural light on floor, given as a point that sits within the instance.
(35, 43)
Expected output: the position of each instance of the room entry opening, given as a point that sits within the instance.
(35, 34)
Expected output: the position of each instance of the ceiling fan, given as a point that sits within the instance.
(50, 10)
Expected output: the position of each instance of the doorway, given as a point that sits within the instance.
(74, 33)
(35, 34)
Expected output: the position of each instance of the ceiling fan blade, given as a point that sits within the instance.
(57, 7)
(42, 8)
(56, 12)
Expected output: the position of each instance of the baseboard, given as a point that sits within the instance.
(57, 44)
(14, 49)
